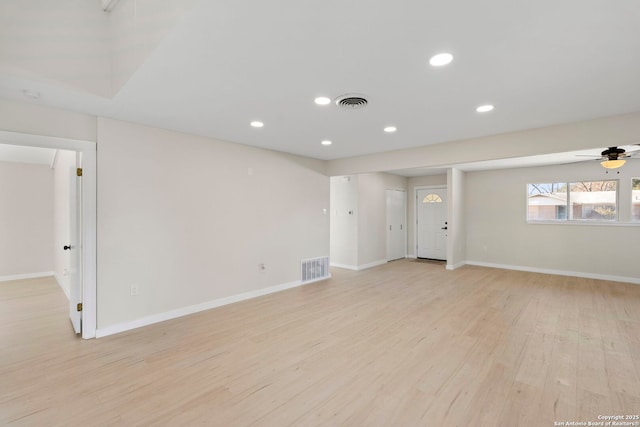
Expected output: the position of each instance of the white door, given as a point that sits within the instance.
(396, 224)
(75, 246)
(431, 206)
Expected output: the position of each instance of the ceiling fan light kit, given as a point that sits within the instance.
(614, 157)
(613, 164)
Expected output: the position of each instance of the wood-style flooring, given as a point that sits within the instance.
(404, 344)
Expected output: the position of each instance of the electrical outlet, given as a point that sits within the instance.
(135, 290)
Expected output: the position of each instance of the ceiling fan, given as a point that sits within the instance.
(614, 157)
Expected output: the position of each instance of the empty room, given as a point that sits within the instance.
(357, 213)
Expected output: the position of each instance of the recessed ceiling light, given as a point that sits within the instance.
(484, 108)
(326, 142)
(322, 100)
(390, 129)
(257, 124)
(441, 59)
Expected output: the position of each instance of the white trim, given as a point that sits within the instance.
(625, 279)
(307, 282)
(592, 223)
(89, 244)
(26, 276)
(360, 267)
(348, 267)
(412, 256)
(89, 255)
(428, 187)
(372, 264)
(65, 290)
(185, 311)
(455, 266)
(53, 159)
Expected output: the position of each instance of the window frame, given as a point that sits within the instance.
(631, 218)
(581, 221)
(616, 217)
(545, 221)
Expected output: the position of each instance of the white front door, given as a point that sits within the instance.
(431, 206)
(396, 224)
(75, 247)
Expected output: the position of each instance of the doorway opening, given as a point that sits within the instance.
(78, 159)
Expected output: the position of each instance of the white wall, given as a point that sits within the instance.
(26, 219)
(497, 231)
(344, 221)
(456, 219)
(359, 240)
(412, 183)
(182, 217)
(65, 161)
(51, 122)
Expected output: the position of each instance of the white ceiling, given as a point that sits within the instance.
(228, 63)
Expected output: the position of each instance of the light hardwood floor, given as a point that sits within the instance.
(404, 344)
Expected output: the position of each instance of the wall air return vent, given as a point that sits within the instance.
(314, 269)
(351, 101)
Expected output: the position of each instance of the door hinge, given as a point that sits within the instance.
(79, 306)
(79, 172)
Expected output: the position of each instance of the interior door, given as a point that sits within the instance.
(396, 224)
(75, 247)
(431, 205)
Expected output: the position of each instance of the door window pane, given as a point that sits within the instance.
(432, 198)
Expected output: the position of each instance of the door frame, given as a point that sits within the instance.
(89, 209)
(415, 213)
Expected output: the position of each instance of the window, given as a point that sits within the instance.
(432, 198)
(574, 201)
(593, 200)
(547, 201)
(635, 199)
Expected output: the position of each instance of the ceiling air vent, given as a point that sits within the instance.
(351, 101)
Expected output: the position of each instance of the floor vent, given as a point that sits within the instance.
(314, 269)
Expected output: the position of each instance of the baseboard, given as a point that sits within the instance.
(359, 267)
(26, 276)
(348, 267)
(185, 311)
(455, 266)
(412, 256)
(624, 279)
(65, 290)
(372, 264)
